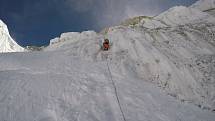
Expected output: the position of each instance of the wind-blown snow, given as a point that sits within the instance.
(7, 44)
(163, 70)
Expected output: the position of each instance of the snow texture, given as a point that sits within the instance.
(207, 6)
(162, 70)
(7, 44)
(204, 5)
(179, 15)
(56, 86)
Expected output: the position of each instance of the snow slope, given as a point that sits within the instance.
(61, 87)
(7, 44)
(175, 51)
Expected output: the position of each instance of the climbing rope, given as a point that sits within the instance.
(115, 90)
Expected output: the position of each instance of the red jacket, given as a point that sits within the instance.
(106, 45)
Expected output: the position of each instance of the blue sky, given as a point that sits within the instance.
(35, 22)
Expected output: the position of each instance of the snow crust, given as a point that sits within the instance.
(7, 44)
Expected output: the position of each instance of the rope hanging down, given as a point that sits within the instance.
(115, 90)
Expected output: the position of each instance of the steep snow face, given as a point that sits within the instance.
(7, 44)
(175, 51)
(179, 15)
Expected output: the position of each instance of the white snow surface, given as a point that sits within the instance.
(56, 86)
(7, 44)
(162, 71)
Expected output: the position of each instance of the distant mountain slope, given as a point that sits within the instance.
(7, 44)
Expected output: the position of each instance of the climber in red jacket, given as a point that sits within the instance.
(106, 45)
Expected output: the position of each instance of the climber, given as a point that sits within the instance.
(106, 45)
